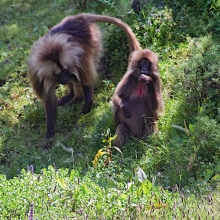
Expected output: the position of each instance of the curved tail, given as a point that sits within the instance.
(133, 43)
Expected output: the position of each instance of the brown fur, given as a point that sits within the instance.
(73, 47)
(137, 100)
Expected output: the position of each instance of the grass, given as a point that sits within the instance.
(95, 195)
(174, 175)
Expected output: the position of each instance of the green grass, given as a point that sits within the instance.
(97, 195)
(174, 175)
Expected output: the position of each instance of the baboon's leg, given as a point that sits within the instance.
(122, 133)
(67, 98)
(150, 127)
(50, 107)
(87, 90)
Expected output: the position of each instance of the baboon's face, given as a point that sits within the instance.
(145, 66)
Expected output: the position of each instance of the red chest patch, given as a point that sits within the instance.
(140, 90)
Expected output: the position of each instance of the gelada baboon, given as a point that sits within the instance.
(69, 54)
(137, 100)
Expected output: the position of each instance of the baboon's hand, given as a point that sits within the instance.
(144, 79)
(126, 111)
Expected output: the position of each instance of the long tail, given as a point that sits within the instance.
(133, 43)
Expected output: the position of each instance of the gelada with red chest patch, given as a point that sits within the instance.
(137, 100)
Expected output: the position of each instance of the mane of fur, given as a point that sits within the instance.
(51, 53)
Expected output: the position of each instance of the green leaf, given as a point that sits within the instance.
(179, 128)
(72, 174)
(85, 189)
(191, 128)
(200, 109)
(61, 182)
(144, 188)
(112, 138)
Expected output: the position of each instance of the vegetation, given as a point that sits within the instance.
(79, 174)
